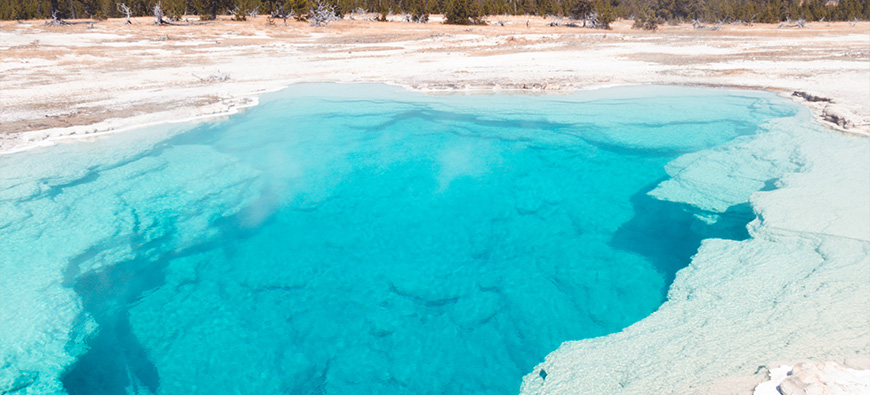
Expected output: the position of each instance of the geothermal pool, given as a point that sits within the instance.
(358, 239)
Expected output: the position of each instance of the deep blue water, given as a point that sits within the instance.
(361, 239)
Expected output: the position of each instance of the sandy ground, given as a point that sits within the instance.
(57, 82)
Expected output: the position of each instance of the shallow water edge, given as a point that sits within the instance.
(240, 102)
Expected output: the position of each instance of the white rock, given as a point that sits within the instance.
(838, 115)
(815, 378)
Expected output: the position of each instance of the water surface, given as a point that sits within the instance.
(360, 239)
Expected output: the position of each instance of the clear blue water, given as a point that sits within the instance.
(361, 239)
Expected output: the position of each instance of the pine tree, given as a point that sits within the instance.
(580, 10)
(418, 12)
(458, 13)
(299, 8)
(174, 9)
(209, 9)
(606, 13)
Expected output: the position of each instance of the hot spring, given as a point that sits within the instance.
(354, 239)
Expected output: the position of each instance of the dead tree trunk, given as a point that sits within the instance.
(158, 14)
(322, 14)
(122, 8)
(72, 9)
(56, 20)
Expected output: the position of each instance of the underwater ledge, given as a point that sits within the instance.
(795, 290)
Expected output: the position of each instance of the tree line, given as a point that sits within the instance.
(459, 11)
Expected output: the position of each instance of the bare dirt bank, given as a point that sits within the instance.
(61, 82)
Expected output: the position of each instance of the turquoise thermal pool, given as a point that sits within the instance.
(355, 239)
